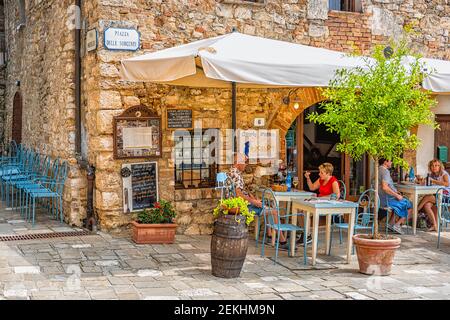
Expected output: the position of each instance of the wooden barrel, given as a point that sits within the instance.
(229, 245)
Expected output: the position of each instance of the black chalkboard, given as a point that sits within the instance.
(144, 185)
(179, 119)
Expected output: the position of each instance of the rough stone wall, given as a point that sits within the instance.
(48, 88)
(41, 57)
(2, 73)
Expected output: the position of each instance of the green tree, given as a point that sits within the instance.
(373, 108)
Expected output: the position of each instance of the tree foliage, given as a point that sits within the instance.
(373, 108)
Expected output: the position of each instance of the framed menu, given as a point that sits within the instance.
(179, 119)
(140, 186)
(137, 134)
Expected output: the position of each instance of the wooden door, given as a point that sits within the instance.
(300, 155)
(17, 118)
(442, 137)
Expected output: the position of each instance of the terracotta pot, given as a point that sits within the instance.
(375, 257)
(234, 211)
(153, 233)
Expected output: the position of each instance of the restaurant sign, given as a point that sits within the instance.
(91, 40)
(122, 39)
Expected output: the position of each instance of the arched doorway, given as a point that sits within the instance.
(308, 145)
(17, 118)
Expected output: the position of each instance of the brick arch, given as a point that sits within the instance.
(286, 115)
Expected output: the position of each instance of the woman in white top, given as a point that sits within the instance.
(428, 203)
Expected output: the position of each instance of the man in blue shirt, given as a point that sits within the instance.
(390, 197)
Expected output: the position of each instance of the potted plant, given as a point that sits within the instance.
(373, 109)
(229, 241)
(155, 225)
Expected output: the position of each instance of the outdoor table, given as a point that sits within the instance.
(287, 196)
(321, 207)
(414, 190)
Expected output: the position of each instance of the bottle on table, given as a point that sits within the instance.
(428, 181)
(411, 174)
(288, 181)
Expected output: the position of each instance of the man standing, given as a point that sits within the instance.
(390, 197)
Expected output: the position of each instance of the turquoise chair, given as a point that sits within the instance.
(364, 218)
(23, 163)
(443, 206)
(337, 218)
(221, 180)
(41, 172)
(269, 207)
(8, 152)
(30, 169)
(342, 190)
(51, 190)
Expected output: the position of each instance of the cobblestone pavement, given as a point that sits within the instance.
(106, 266)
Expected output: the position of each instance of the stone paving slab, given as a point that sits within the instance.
(111, 266)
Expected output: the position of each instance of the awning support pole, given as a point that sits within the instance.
(233, 113)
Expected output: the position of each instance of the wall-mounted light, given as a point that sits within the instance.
(296, 101)
(388, 52)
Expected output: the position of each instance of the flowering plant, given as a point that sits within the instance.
(236, 206)
(162, 212)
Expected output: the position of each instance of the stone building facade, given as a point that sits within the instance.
(42, 58)
(2, 71)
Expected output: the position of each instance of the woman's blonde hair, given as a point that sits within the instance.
(327, 167)
(441, 166)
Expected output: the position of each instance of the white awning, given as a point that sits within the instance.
(247, 60)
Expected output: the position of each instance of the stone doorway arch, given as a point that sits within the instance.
(286, 114)
(17, 118)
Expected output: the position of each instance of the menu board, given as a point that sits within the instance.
(140, 185)
(179, 119)
(137, 134)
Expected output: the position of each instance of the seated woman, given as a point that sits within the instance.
(327, 184)
(428, 203)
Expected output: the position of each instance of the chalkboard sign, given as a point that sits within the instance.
(137, 134)
(140, 188)
(179, 119)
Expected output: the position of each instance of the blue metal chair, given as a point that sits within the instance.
(364, 219)
(8, 151)
(337, 218)
(443, 207)
(29, 170)
(21, 164)
(270, 209)
(41, 172)
(50, 190)
(342, 190)
(221, 180)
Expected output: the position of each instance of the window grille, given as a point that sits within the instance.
(196, 158)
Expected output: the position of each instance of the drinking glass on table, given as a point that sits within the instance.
(295, 182)
(419, 179)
